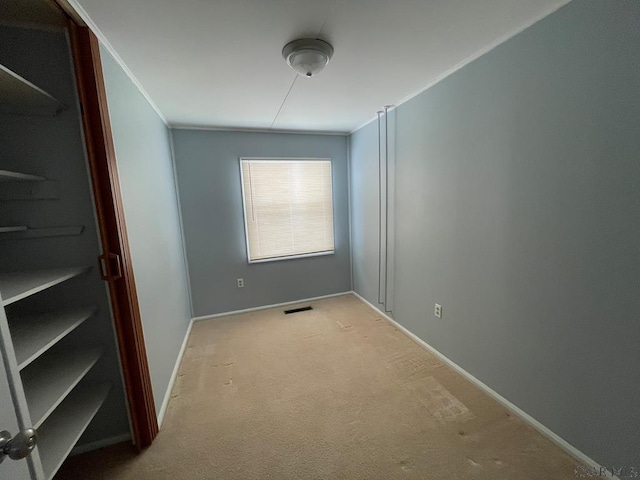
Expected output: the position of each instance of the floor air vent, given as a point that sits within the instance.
(296, 310)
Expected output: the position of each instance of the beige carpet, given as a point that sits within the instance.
(333, 393)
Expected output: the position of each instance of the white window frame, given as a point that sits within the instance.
(244, 209)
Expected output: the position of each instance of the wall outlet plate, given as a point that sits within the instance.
(240, 282)
(437, 311)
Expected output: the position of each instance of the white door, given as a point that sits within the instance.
(9, 469)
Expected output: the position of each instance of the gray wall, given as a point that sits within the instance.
(210, 194)
(145, 166)
(517, 209)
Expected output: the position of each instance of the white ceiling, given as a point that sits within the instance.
(217, 63)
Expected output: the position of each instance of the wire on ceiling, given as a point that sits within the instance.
(283, 101)
(296, 77)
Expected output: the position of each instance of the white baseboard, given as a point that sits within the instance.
(566, 446)
(87, 447)
(174, 375)
(265, 307)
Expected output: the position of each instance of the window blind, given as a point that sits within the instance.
(288, 207)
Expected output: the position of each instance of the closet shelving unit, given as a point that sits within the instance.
(18, 95)
(60, 405)
(18, 228)
(18, 285)
(34, 334)
(7, 176)
(23, 232)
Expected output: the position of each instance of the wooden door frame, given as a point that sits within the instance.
(85, 50)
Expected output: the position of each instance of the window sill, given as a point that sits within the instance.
(292, 257)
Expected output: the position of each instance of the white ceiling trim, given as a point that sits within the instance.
(471, 58)
(257, 130)
(94, 28)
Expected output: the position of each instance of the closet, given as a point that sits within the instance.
(58, 340)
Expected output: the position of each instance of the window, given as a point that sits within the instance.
(288, 207)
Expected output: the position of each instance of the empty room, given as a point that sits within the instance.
(319, 239)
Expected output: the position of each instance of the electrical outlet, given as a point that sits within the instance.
(240, 282)
(437, 311)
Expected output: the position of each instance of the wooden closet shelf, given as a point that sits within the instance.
(8, 176)
(34, 334)
(48, 381)
(15, 286)
(20, 228)
(59, 434)
(19, 95)
(28, 233)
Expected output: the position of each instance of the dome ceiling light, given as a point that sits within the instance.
(307, 56)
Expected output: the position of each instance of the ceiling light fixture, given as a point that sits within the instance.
(307, 56)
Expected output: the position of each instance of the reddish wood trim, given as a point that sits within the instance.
(113, 232)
